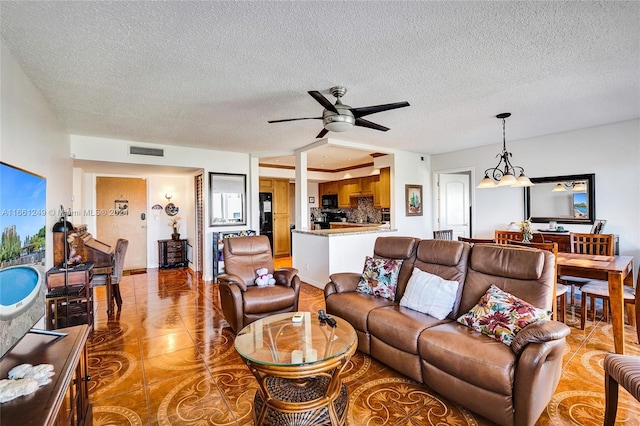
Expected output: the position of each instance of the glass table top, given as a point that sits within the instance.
(277, 340)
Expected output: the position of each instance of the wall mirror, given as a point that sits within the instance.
(227, 197)
(562, 199)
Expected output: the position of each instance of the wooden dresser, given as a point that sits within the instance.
(172, 253)
(64, 401)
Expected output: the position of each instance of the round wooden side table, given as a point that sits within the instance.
(299, 368)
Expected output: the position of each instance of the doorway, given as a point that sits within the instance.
(454, 207)
(124, 204)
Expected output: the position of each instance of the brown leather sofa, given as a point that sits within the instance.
(242, 300)
(510, 385)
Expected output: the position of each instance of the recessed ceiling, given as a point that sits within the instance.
(329, 158)
(210, 74)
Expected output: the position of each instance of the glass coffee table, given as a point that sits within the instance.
(298, 367)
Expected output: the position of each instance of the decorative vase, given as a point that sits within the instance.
(526, 238)
(175, 236)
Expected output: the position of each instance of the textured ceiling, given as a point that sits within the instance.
(210, 74)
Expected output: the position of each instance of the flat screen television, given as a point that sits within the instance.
(23, 218)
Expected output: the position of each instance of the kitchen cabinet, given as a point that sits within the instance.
(377, 186)
(328, 188)
(281, 228)
(382, 190)
(279, 188)
(266, 185)
(345, 188)
(367, 185)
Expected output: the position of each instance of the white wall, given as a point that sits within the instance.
(117, 151)
(612, 152)
(32, 138)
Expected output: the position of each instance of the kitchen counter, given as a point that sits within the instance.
(355, 229)
(322, 252)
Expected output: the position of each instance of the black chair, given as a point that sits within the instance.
(443, 234)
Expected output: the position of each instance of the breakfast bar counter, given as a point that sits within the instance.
(322, 252)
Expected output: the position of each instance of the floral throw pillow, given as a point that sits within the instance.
(380, 277)
(501, 315)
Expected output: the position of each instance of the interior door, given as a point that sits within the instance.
(453, 203)
(124, 203)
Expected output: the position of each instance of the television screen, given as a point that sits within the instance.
(23, 217)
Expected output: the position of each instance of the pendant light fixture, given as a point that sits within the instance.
(504, 174)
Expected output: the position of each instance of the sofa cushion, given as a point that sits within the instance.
(260, 300)
(469, 356)
(430, 294)
(501, 315)
(354, 307)
(399, 327)
(505, 267)
(380, 277)
(446, 259)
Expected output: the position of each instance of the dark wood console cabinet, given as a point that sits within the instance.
(64, 401)
(172, 253)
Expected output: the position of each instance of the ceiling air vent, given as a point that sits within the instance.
(138, 150)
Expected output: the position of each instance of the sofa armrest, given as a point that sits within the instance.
(284, 276)
(345, 281)
(232, 279)
(539, 332)
(537, 374)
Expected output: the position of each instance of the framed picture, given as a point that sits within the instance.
(598, 226)
(413, 200)
(312, 200)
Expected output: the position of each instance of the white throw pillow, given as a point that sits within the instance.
(430, 294)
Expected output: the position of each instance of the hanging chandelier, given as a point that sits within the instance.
(504, 173)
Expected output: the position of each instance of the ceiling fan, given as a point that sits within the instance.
(341, 117)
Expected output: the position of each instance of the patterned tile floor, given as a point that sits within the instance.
(167, 359)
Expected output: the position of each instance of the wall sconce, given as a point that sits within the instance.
(168, 196)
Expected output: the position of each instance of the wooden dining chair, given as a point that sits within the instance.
(476, 240)
(561, 289)
(597, 289)
(596, 244)
(502, 237)
(443, 234)
(619, 370)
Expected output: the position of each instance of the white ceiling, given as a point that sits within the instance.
(209, 74)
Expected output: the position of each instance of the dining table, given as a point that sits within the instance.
(617, 271)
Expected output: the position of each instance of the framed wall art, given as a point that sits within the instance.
(413, 200)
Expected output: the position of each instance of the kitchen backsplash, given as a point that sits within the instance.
(364, 213)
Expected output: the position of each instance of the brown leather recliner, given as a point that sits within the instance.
(242, 300)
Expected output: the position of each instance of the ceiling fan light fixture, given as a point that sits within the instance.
(338, 126)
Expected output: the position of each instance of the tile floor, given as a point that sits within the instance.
(167, 359)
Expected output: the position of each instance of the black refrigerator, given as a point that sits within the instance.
(266, 216)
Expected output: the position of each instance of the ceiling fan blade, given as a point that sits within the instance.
(294, 119)
(366, 123)
(362, 111)
(322, 100)
(322, 133)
